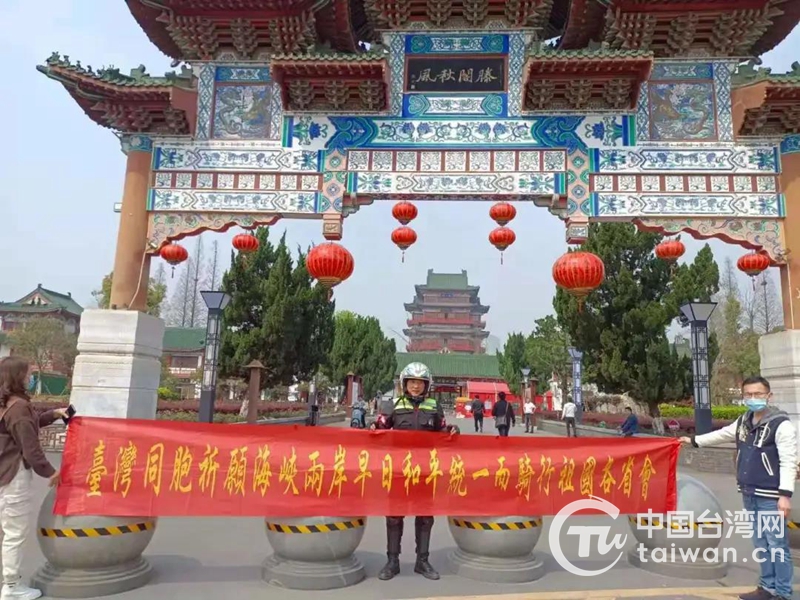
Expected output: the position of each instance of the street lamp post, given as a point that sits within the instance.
(577, 395)
(216, 303)
(525, 374)
(697, 315)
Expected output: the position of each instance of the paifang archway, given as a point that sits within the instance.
(291, 116)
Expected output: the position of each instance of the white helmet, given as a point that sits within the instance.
(416, 370)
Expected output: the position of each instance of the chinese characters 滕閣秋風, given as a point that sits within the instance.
(485, 75)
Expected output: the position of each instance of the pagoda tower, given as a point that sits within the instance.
(446, 316)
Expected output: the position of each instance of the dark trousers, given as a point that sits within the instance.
(528, 422)
(422, 535)
(571, 423)
(503, 430)
(478, 421)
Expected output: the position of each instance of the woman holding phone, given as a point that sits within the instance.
(21, 454)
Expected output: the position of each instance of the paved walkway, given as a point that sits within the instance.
(220, 558)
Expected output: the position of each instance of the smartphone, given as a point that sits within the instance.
(70, 414)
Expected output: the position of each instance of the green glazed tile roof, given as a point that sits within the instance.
(56, 301)
(138, 77)
(596, 52)
(749, 73)
(447, 281)
(453, 365)
(326, 56)
(184, 338)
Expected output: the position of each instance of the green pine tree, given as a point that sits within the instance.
(623, 327)
(360, 347)
(275, 316)
(512, 360)
(546, 351)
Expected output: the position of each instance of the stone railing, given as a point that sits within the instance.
(720, 459)
(52, 438)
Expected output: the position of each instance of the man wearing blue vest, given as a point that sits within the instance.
(766, 468)
(413, 411)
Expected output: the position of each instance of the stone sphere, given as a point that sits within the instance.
(339, 537)
(693, 498)
(502, 542)
(87, 547)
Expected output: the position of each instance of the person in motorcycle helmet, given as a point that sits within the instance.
(413, 410)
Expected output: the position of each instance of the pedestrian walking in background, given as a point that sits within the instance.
(477, 414)
(21, 454)
(529, 409)
(503, 414)
(568, 415)
(766, 469)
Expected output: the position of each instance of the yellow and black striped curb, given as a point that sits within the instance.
(498, 526)
(645, 522)
(321, 528)
(91, 532)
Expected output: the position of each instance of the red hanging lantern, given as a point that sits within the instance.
(405, 212)
(753, 264)
(579, 273)
(670, 250)
(330, 264)
(501, 238)
(404, 237)
(503, 213)
(174, 254)
(246, 243)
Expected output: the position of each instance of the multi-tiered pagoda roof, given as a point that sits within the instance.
(446, 315)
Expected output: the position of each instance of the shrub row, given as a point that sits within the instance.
(225, 412)
(730, 413)
(612, 421)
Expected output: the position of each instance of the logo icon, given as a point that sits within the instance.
(585, 534)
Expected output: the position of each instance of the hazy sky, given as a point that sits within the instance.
(61, 175)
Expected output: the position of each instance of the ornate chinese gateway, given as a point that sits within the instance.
(648, 111)
(594, 110)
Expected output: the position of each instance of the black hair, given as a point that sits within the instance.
(757, 379)
(501, 395)
(629, 408)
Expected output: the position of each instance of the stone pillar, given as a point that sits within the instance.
(780, 352)
(790, 271)
(780, 364)
(131, 262)
(118, 368)
(116, 374)
(352, 392)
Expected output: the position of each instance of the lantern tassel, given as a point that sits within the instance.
(172, 276)
(580, 305)
(501, 258)
(754, 283)
(330, 294)
(403, 257)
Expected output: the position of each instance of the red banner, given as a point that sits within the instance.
(160, 468)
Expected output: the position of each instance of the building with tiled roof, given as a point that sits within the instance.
(446, 316)
(183, 356)
(40, 303)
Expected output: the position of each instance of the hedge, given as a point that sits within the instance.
(612, 421)
(730, 413)
(224, 412)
